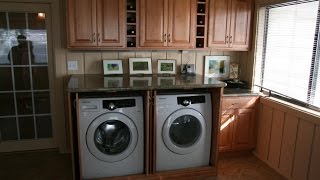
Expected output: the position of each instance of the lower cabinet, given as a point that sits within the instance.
(238, 123)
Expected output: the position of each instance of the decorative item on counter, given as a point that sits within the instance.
(140, 66)
(166, 66)
(112, 67)
(113, 82)
(166, 81)
(140, 81)
(234, 70)
(217, 66)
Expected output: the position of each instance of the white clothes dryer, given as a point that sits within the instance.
(111, 134)
(183, 131)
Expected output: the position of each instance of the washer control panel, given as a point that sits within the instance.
(114, 104)
(187, 100)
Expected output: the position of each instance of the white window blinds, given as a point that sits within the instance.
(286, 54)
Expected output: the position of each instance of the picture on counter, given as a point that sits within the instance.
(140, 81)
(140, 66)
(234, 69)
(166, 66)
(112, 67)
(217, 66)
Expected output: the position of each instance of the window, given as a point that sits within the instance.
(287, 53)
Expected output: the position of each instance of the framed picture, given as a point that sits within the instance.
(140, 66)
(112, 67)
(217, 66)
(140, 81)
(166, 66)
(113, 82)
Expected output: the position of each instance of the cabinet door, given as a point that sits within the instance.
(243, 131)
(153, 23)
(82, 23)
(240, 23)
(219, 15)
(226, 132)
(182, 23)
(111, 23)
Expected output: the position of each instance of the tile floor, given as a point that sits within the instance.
(50, 165)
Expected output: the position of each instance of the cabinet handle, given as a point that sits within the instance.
(98, 37)
(94, 37)
(169, 38)
(165, 38)
(227, 38)
(230, 39)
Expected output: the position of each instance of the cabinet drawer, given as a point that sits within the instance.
(244, 102)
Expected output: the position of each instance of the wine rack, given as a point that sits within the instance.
(202, 11)
(131, 23)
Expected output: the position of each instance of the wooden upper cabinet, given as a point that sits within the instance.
(153, 23)
(240, 23)
(229, 24)
(82, 22)
(166, 23)
(111, 23)
(219, 11)
(182, 23)
(96, 23)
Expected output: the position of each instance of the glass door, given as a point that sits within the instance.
(25, 110)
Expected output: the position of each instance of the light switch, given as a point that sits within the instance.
(72, 65)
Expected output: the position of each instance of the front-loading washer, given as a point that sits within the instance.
(111, 136)
(183, 131)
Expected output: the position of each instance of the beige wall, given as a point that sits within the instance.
(91, 62)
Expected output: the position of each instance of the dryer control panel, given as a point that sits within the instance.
(114, 104)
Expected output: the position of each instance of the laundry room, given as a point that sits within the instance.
(160, 89)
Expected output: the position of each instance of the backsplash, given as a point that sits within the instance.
(91, 62)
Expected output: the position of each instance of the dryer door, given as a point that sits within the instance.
(184, 131)
(112, 137)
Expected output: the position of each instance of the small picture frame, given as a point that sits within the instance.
(217, 66)
(112, 67)
(140, 66)
(166, 66)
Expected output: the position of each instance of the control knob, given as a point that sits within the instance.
(186, 102)
(111, 106)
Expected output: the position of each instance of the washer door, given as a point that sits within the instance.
(112, 137)
(184, 130)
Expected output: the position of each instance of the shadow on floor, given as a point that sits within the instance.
(50, 165)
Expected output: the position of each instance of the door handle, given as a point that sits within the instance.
(169, 38)
(230, 39)
(227, 38)
(98, 37)
(165, 38)
(94, 37)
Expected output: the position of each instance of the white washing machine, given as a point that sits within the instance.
(183, 131)
(111, 134)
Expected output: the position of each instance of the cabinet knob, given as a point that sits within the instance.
(169, 38)
(227, 38)
(165, 38)
(98, 37)
(230, 39)
(94, 37)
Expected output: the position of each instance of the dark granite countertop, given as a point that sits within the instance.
(239, 92)
(96, 83)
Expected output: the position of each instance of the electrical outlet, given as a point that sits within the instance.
(72, 65)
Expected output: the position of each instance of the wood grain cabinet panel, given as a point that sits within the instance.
(230, 24)
(96, 23)
(82, 22)
(167, 23)
(237, 131)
